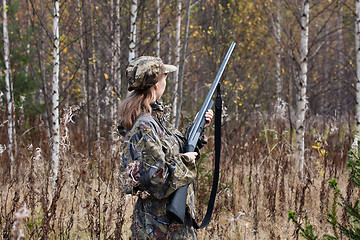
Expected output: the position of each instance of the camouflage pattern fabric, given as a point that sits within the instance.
(143, 71)
(153, 167)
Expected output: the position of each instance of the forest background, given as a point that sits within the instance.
(289, 115)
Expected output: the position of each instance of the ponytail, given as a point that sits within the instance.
(136, 103)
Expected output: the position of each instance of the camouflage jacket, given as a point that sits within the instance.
(153, 167)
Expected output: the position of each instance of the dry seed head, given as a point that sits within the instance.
(30, 147)
(354, 145)
(2, 148)
(23, 212)
(37, 154)
(17, 230)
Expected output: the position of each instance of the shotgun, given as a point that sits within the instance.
(176, 209)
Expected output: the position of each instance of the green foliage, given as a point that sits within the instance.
(332, 216)
(350, 229)
(23, 77)
(35, 222)
(308, 231)
(204, 176)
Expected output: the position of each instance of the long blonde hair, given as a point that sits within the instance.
(136, 103)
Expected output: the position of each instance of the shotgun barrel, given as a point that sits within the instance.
(176, 208)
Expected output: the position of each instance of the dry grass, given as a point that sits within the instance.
(259, 184)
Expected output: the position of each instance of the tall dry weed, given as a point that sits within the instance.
(258, 183)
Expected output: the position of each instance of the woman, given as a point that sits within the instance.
(153, 163)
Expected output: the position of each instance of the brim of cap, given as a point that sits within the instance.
(170, 68)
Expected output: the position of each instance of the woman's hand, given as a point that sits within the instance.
(191, 155)
(208, 117)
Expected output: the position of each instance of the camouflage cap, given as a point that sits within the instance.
(142, 72)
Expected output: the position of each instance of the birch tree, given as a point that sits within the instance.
(82, 50)
(133, 17)
(9, 90)
(55, 148)
(278, 50)
(182, 65)
(96, 71)
(357, 47)
(85, 7)
(158, 22)
(276, 22)
(115, 86)
(177, 62)
(117, 44)
(110, 87)
(301, 105)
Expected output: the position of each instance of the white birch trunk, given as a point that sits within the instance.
(278, 50)
(115, 63)
(97, 77)
(357, 46)
(177, 62)
(158, 28)
(55, 148)
(109, 87)
(9, 92)
(117, 41)
(133, 17)
(113, 47)
(301, 88)
(182, 65)
(83, 77)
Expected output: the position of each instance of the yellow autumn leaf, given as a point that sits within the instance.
(106, 76)
(316, 147)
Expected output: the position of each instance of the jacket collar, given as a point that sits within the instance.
(158, 109)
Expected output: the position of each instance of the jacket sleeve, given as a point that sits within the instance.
(151, 169)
